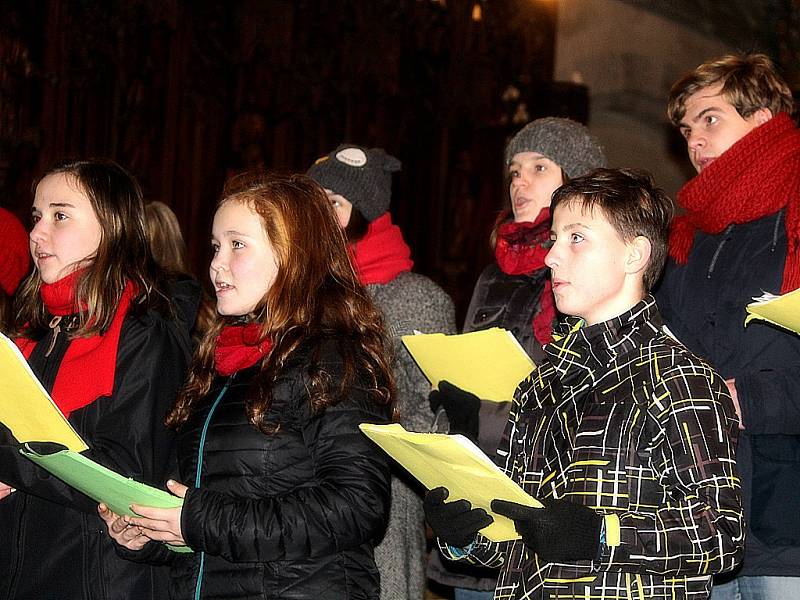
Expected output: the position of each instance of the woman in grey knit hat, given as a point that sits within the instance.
(358, 182)
(514, 292)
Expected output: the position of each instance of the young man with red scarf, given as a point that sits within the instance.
(737, 239)
(358, 182)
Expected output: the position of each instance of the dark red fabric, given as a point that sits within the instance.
(520, 250)
(757, 176)
(88, 368)
(238, 347)
(521, 247)
(382, 254)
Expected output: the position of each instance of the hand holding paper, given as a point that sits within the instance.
(121, 531)
(488, 363)
(562, 531)
(455, 523)
(162, 524)
(455, 463)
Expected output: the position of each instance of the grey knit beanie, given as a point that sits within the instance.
(363, 176)
(564, 141)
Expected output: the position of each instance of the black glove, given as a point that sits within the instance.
(461, 407)
(455, 523)
(562, 531)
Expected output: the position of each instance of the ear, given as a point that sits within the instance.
(639, 250)
(761, 116)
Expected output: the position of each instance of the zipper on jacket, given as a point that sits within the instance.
(718, 250)
(198, 473)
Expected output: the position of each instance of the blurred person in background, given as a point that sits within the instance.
(15, 262)
(358, 182)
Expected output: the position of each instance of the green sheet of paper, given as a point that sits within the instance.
(454, 462)
(102, 484)
(26, 408)
(783, 311)
(488, 363)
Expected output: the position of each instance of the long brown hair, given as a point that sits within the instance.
(315, 296)
(123, 254)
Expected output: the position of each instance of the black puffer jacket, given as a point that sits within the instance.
(290, 515)
(54, 544)
(703, 303)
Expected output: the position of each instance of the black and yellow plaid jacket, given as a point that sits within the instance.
(625, 420)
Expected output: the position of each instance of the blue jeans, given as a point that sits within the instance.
(465, 594)
(758, 588)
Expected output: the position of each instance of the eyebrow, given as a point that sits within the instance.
(56, 205)
(572, 226)
(699, 115)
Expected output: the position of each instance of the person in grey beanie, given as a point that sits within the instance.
(514, 293)
(358, 181)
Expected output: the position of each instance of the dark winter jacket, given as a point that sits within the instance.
(292, 514)
(507, 301)
(54, 544)
(622, 419)
(703, 303)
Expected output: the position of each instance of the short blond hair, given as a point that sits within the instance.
(749, 82)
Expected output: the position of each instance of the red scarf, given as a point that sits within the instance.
(382, 254)
(757, 176)
(520, 250)
(238, 347)
(89, 365)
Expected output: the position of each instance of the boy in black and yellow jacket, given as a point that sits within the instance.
(626, 437)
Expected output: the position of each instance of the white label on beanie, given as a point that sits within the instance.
(355, 157)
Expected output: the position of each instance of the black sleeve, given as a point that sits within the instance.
(346, 504)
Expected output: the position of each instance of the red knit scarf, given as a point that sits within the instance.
(520, 250)
(89, 365)
(382, 254)
(756, 177)
(238, 347)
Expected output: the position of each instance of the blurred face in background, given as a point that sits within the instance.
(534, 178)
(342, 206)
(66, 232)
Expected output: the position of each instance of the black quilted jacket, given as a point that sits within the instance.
(290, 515)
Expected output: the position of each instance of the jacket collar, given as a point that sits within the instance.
(616, 337)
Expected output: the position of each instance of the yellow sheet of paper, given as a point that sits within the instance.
(488, 363)
(454, 462)
(26, 408)
(783, 311)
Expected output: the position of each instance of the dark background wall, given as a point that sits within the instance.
(185, 93)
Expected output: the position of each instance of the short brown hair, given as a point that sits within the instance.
(749, 83)
(633, 205)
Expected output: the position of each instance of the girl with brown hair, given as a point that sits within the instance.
(285, 496)
(98, 327)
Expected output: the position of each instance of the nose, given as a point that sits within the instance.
(218, 264)
(695, 139)
(551, 258)
(38, 233)
(519, 181)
